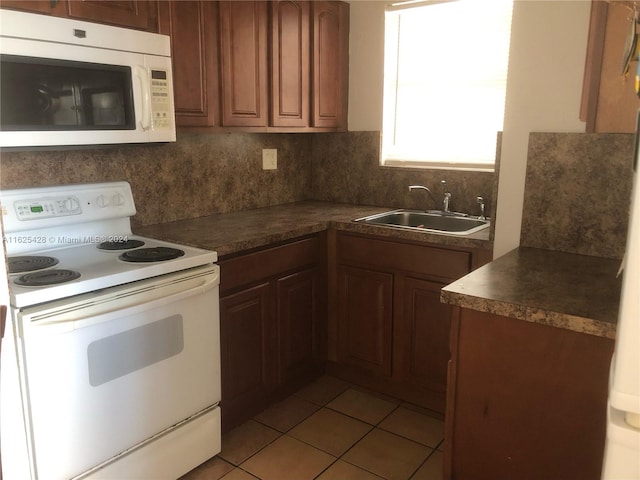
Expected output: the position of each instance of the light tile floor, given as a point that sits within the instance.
(331, 430)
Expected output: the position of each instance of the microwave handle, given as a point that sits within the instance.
(142, 74)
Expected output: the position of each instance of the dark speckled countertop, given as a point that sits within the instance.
(230, 233)
(566, 290)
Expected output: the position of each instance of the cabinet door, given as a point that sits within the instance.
(192, 26)
(52, 7)
(526, 401)
(330, 64)
(290, 63)
(298, 325)
(124, 13)
(421, 337)
(365, 309)
(247, 336)
(243, 50)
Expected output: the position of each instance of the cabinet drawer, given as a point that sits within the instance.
(263, 264)
(442, 263)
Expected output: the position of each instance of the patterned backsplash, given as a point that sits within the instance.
(577, 192)
(204, 174)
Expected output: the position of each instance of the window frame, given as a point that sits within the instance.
(391, 158)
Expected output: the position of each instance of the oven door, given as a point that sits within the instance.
(104, 372)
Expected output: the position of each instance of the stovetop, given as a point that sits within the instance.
(67, 223)
(100, 269)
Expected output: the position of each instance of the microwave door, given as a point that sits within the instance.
(106, 97)
(33, 98)
(103, 107)
(48, 94)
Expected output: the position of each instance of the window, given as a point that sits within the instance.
(445, 80)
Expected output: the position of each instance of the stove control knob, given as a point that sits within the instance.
(102, 201)
(71, 204)
(118, 199)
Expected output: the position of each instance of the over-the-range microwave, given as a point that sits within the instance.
(65, 82)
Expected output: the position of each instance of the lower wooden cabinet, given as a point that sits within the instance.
(421, 336)
(526, 401)
(382, 325)
(392, 332)
(300, 325)
(247, 337)
(272, 325)
(365, 309)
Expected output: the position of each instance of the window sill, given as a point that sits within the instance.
(413, 165)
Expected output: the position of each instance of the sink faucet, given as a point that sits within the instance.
(422, 187)
(480, 201)
(447, 196)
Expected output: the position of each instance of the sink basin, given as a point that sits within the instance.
(440, 222)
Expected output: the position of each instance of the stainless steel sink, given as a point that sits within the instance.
(434, 221)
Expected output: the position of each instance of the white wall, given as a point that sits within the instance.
(546, 66)
(548, 46)
(366, 65)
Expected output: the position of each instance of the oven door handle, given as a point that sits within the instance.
(109, 306)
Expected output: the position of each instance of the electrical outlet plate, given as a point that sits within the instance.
(269, 158)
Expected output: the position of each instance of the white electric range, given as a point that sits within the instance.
(111, 357)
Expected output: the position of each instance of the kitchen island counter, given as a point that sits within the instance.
(575, 292)
(231, 233)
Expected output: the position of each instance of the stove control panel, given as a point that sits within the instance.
(65, 211)
(47, 208)
(116, 199)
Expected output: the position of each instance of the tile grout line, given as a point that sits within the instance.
(396, 402)
(281, 434)
(257, 451)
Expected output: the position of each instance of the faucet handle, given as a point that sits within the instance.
(480, 201)
(447, 196)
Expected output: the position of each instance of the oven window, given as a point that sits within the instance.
(43, 94)
(132, 350)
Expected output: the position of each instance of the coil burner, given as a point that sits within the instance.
(29, 263)
(154, 254)
(120, 245)
(46, 277)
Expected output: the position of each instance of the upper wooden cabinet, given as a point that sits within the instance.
(260, 66)
(609, 100)
(330, 64)
(125, 13)
(243, 63)
(50, 7)
(281, 65)
(194, 44)
(309, 44)
(290, 63)
(138, 14)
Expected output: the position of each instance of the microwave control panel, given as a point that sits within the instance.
(160, 100)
